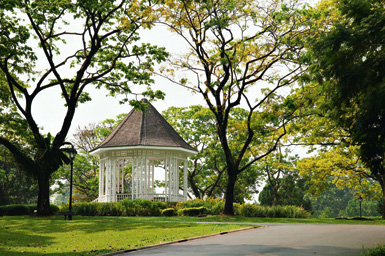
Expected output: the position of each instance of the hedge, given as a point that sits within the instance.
(169, 212)
(20, 209)
(252, 210)
(193, 211)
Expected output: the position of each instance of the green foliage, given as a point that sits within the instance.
(33, 208)
(141, 207)
(14, 209)
(32, 34)
(237, 50)
(377, 251)
(208, 203)
(217, 208)
(346, 61)
(342, 202)
(15, 186)
(207, 170)
(169, 212)
(137, 207)
(252, 210)
(193, 211)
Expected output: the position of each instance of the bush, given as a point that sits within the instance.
(140, 207)
(14, 209)
(251, 210)
(33, 208)
(169, 212)
(208, 203)
(126, 207)
(217, 208)
(377, 251)
(194, 211)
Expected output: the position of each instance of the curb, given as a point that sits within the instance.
(175, 242)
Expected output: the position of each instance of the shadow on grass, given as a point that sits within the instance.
(26, 233)
(8, 253)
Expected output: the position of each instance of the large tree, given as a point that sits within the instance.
(241, 53)
(207, 170)
(34, 58)
(347, 61)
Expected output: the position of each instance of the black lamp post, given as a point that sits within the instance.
(360, 200)
(72, 154)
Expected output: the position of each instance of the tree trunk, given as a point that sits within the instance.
(383, 200)
(43, 207)
(275, 197)
(229, 197)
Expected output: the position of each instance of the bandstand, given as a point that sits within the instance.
(142, 141)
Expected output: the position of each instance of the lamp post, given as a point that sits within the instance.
(72, 154)
(360, 200)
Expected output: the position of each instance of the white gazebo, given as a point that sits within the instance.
(142, 141)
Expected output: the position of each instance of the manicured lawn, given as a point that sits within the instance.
(22, 235)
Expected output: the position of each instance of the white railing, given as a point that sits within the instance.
(102, 199)
(152, 197)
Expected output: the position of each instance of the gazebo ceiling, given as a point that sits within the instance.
(144, 128)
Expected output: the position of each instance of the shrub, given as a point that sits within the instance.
(208, 203)
(218, 208)
(140, 207)
(14, 209)
(54, 208)
(377, 251)
(169, 212)
(32, 208)
(194, 211)
(251, 210)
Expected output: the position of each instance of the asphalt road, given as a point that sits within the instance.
(280, 239)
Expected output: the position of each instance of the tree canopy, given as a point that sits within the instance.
(240, 53)
(104, 52)
(347, 61)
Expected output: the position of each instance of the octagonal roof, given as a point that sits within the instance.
(144, 128)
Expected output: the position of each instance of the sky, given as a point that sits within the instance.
(49, 111)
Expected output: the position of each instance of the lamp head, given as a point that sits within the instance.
(72, 153)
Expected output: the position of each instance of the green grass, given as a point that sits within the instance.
(22, 235)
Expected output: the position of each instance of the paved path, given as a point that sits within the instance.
(281, 239)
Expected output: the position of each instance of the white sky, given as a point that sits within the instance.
(48, 107)
(49, 111)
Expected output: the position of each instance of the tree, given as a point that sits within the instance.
(284, 185)
(34, 59)
(347, 61)
(207, 170)
(14, 187)
(235, 51)
(86, 166)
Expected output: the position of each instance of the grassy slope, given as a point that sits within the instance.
(91, 235)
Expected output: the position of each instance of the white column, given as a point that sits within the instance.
(108, 180)
(145, 173)
(170, 179)
(166, 178)
(117, 164)
(113, 177)
(124, 164)
(185, 180)
(133, 177)
(101, 178)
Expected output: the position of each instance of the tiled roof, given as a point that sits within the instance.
(144, 128)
